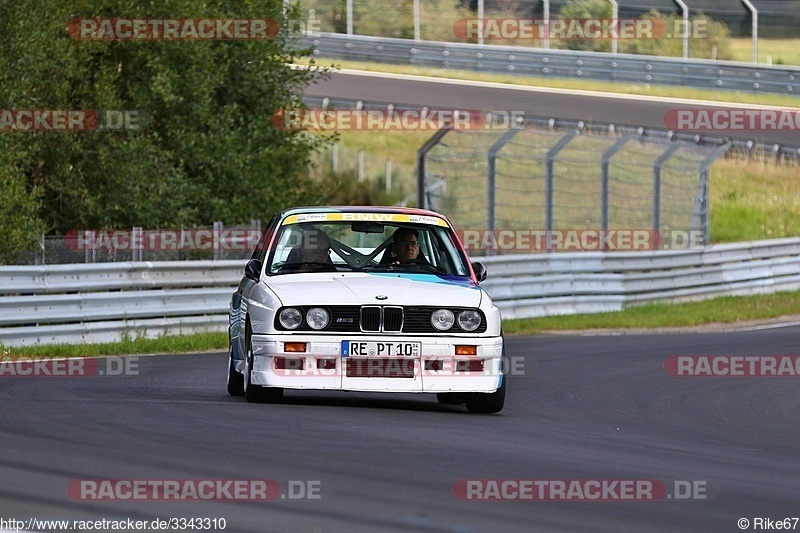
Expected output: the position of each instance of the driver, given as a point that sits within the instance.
(316, 247)
(405, 245)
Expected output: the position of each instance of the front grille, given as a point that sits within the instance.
(393, 319)
(371, 318)
(377, 319)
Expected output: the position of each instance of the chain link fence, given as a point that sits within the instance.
(507, 188)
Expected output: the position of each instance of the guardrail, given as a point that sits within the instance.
(626, 68)
(100, 302)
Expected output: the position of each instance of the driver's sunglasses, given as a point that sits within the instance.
(410, 244)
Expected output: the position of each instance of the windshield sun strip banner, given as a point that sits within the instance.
(367, 217)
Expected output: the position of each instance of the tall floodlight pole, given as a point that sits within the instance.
(480, 21)
(615, 22)
(754, 13)
(349, 17)
(416, 20)
(546, 25)
(685, 28)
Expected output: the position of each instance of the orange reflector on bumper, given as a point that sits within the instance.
(462, 349)
(294, 347)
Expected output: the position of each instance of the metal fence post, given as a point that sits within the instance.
(606, 163)
(701, 202)
(492, 174)
(217, 231)
(421, 154)
(657, 166)
(137, 238)
(551, 155)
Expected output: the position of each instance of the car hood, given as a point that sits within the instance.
(359, 288)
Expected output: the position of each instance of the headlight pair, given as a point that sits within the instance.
(316, 317)
(468, 320)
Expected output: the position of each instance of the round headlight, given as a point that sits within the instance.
(290, 318)
(317, 318)
(443, 319)
(469, 320)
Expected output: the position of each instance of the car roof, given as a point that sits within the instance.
(360, 209)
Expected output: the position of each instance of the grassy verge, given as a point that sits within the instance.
(566, 83)
(781, 51)
(726, 310)
(198, 342)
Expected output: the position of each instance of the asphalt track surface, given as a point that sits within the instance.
(582, 408)
(589, 108)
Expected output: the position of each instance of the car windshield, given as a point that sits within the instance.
(366, 246)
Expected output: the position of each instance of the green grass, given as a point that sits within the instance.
(199, 342)
(726, 310)
(565, 83)
(782, 51)
(753, 200)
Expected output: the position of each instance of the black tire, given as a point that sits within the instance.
(451, 398)
(257, 393)
(487, 403)
(235, 379)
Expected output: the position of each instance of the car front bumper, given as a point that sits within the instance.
(322, 365)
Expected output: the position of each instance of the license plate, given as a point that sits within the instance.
(380, 349)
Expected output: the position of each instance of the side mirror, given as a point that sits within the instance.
(480, 271)
(252, 269)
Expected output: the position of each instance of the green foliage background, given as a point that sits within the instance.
(207, 152)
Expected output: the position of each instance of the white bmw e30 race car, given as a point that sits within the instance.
(377, 299)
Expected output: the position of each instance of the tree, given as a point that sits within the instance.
(586, 9)
(207, 150)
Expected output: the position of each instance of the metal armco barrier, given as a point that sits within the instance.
(101, 302)
(627, 68)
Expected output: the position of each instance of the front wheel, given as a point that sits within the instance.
(257, 393)
(487, 403)
(235, 379)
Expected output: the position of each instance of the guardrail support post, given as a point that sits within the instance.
(421, 154)
(551, 155)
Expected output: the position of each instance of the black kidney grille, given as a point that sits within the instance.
(371, 318)
(393, 319)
